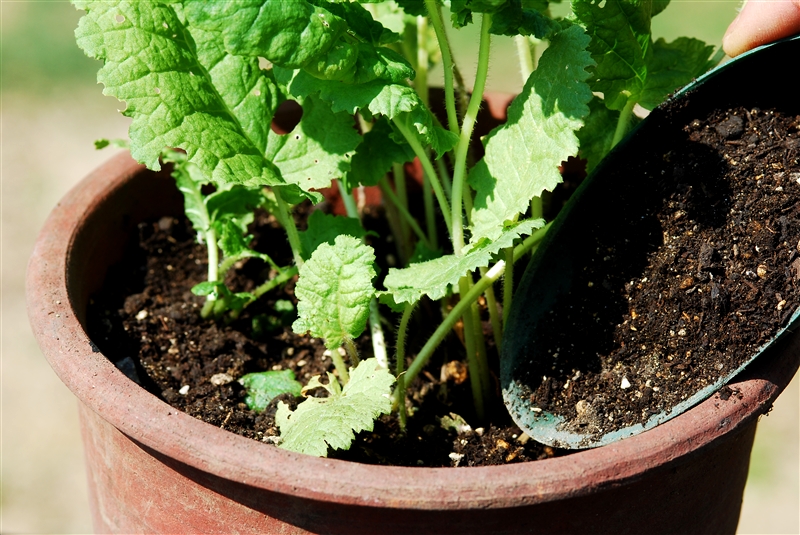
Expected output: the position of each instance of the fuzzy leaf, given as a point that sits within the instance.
(522, 156)
(151, 63)
(375, 156)
(674, 65)
(290, 34)
(360, 22)
(323, 228)
(433, 277)
(263, 387)
(318, 150)
(189, 180)
(597, 133)
(391, 100)
(234, 202)
(322, 423)
(334, 290)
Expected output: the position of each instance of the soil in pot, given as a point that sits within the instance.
(699, 284)
(706, 273)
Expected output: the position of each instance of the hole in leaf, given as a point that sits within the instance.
(287, 117)
(257, 92)
(165, 25)
(119, 18)
(158, 91)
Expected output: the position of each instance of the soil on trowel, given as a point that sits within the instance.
(148, 320)
(692, 284)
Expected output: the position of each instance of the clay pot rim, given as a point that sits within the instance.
(98, 384)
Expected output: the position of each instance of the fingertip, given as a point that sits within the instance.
(761, 22)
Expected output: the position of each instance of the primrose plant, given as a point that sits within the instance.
(207, 78)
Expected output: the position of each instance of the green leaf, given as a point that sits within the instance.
(206, 287)
(375, 156)
(248, 91)
(522, 156)
(597, 133)
(513, 19)
(360, 22)
(190, 180)
(318, 150)
(621, 46)
(674, 65)
(151, 63)
(324, 228)
(433, 277)
(234, 202)
(263, 387)
(391, 100)
(334, 290)
(232, 242)
(322, 423)
(289, 34)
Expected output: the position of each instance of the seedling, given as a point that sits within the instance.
(207, 78)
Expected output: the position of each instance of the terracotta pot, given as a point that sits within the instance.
(153, 469)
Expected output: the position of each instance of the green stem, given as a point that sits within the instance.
(444, 176)
(352, 352)
(508, 285)
(213, 270)
(427, 167)
(378, 343)
(286, 219)
(623, 122)
(421, 80)
(459, 173)
(407, 217)
(491, 276)
(282, 277)
(338, 363)
(494, 315)
(435, 15)
(430, 214)
(525, 57)
(401, 362)
(470, 341)
(402, 200)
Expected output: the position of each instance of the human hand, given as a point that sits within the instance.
(761, 22)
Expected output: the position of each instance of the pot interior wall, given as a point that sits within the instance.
(100, 241)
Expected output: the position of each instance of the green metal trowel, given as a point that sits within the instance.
(762, 78)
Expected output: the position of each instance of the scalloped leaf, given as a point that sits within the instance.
(334, 290)
(322, 423)
(432, 278)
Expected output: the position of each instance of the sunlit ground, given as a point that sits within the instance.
(52, 111)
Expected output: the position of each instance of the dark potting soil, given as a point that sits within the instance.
(148, 318)
(718, 277)
(719, 280)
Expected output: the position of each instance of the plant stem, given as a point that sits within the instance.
(491, 276)
(402, 200)
(508, 285)
(407, 217)
(525, 57)
(435, 15)
(338, 363)
(470, 342)
(352, 352)
(378, 341)
(286, 219)
(494, 315)
(427, 167)
(213, 270)
(623, 122)
(283, 276)
(421, 80)
(459, 173)
(401, 362)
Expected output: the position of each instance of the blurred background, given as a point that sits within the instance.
(51, 111)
